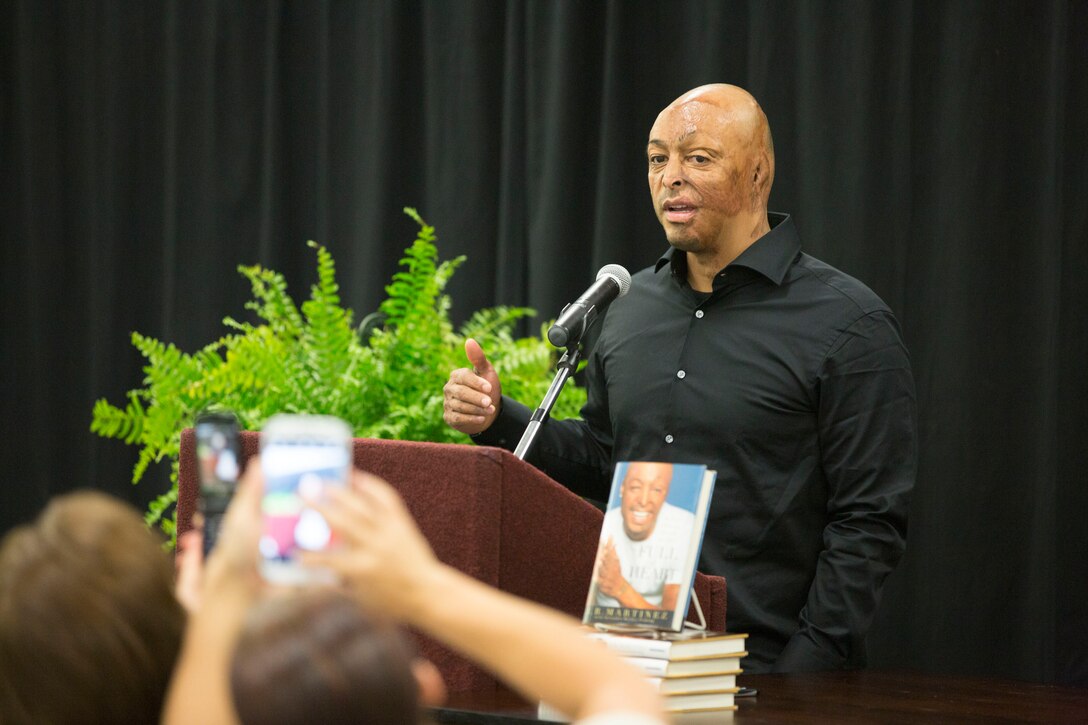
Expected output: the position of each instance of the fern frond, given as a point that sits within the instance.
(111, 422)
(328, 335)
(309, 359)
(495, 322)
(271, 301)
(157, 512)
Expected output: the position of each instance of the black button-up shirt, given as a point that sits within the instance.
(791, 380)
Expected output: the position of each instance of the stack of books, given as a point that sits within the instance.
(642, 584)
(694, 671)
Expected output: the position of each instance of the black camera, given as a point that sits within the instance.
(219, 463)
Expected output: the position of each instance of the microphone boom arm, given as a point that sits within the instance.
(574, 321)
(566, 367)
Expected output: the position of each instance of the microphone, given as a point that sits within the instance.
(612, 281)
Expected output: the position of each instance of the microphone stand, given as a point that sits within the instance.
(566, 367)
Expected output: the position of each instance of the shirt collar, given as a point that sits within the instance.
(771, 255)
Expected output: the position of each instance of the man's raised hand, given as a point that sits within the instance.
(472, 395)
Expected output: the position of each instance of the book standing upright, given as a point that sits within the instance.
(642, 585)
(649, 546)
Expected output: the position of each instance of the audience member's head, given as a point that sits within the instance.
(89, 626)
(318, 657)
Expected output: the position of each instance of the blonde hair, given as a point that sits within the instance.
(89, 625)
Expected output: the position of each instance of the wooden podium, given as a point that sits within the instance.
(486, 513)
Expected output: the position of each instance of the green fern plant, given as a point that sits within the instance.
(309, 358)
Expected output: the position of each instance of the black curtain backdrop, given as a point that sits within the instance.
(934, 150)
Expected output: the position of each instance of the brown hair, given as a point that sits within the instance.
(89, 626)
(317, 657)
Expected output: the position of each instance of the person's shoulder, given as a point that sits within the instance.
(650, 272)
(627, 314)
(837, 285)
(648, 281)
(650, 288)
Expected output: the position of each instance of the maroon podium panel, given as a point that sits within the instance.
(486, 513)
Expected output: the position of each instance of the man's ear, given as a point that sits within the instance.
(762, 177)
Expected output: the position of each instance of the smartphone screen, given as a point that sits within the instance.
(300, 457)
(219, 460)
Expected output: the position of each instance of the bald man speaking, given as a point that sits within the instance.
(740, 351)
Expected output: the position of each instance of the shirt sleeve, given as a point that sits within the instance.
(576, 452)
(868, 443)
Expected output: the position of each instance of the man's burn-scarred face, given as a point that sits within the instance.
(642, 495)
(700, 171)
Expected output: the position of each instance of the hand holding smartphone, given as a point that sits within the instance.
(219, 462)
(300, 456)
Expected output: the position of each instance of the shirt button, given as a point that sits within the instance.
(699, 314)
(680, 374)
(668, 438)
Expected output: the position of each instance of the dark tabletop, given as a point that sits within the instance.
(841, 697)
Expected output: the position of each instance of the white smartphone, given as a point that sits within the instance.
(300, 456)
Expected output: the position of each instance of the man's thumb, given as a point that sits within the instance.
(476, 356)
